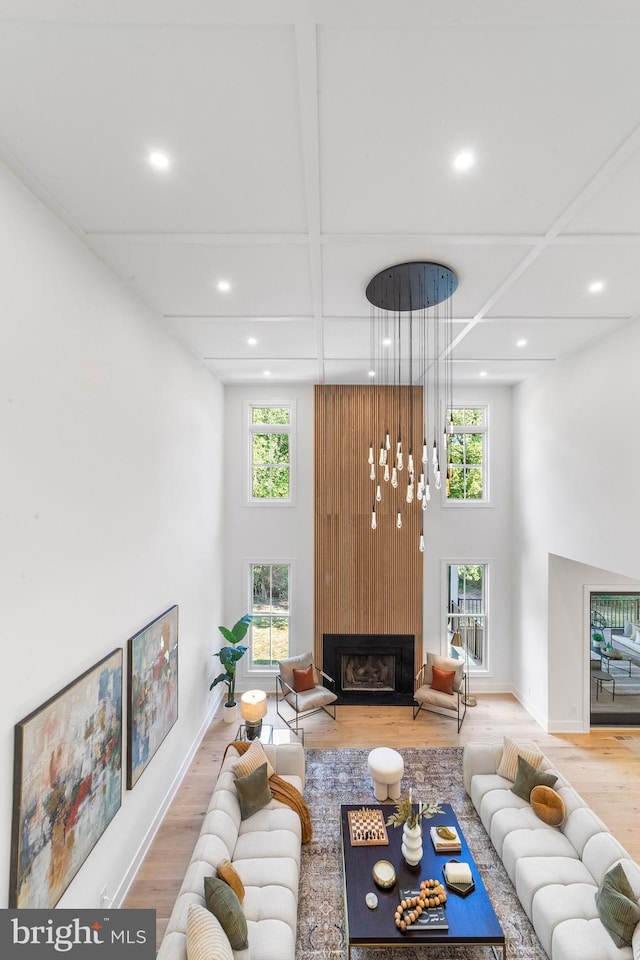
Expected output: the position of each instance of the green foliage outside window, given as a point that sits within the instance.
(270, 609)
(466, 454)
(270, 454)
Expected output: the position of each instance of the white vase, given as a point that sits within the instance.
(230, 713)
(412, 844)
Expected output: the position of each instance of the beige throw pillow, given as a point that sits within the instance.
(508, 767)
(206, 940)
(250, 760)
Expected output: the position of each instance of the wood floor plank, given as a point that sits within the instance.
(603, 766)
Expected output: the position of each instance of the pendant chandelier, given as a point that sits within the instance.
(411, 351)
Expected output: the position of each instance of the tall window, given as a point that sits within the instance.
(467, 455)
(271, 613)
(467, 610)
(270, 431)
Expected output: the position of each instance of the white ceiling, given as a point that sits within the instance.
(311, 146)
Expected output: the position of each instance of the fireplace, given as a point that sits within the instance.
(370, 668)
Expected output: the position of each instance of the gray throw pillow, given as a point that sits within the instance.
(528, 777)
(224, 905)
(617, 906)
(253, 792)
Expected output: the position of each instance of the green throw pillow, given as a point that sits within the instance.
(617, 906)
(223, 903)
(253, 791)
(528, 777)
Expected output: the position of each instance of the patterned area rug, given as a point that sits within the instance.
(340, 776)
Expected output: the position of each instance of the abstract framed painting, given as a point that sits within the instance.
(152, 691)
(67, 783)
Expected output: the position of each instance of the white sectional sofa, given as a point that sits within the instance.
(264, 850)
(556, 870)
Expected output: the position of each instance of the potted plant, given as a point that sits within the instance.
(597, 639)
(229, 657)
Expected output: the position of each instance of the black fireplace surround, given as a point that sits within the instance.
(335, 646)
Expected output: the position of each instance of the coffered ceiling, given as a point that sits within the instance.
(311, 144)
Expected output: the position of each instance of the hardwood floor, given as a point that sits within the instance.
(603, 766)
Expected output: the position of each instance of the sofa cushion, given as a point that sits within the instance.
(224, 904)
(548, 805)
(542, 842)
(227, 872)
(586, 939)
(250, 760)
(253, 791)
(508, 766)
(617, 909)
(534, 873)
(556, 903)
(529, 777)
(206, 940)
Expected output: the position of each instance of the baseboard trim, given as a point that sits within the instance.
(143, 848)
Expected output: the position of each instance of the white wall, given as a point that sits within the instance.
(111, 502)
(477, 533)
(270, 532)
(575, 433)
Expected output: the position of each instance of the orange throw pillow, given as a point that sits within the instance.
(303, 679)
(442, 680)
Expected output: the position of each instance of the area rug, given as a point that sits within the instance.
(340, 776)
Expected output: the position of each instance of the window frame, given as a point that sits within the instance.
(484, 429)
(253, 428)
(483, 667)
(263, 669)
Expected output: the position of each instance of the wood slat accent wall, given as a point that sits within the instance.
(366, 581)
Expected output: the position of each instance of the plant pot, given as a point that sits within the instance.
(230, 713)
(412, 844)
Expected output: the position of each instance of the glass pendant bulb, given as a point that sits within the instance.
(427, 491)
(399, 520)
(374, 522)
(394, 477)
(424, 503)
(421, 546)
(378, 493)
(425, 452)
(383, 456)
(410, 493)
(386, 471)
(399, 455)
(434, 455)
(410, 463)
(420, 490)
(438, 480)
(370, 454)
(372, 472)
(387, 441)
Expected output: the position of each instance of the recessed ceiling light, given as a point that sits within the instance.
(463, 161)
(386, 342)
(483, 373)
(521, 343)
(251, 341)
(371, 373)
(267, 373)
(596, 286)
(159, 160)
(223, 286)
